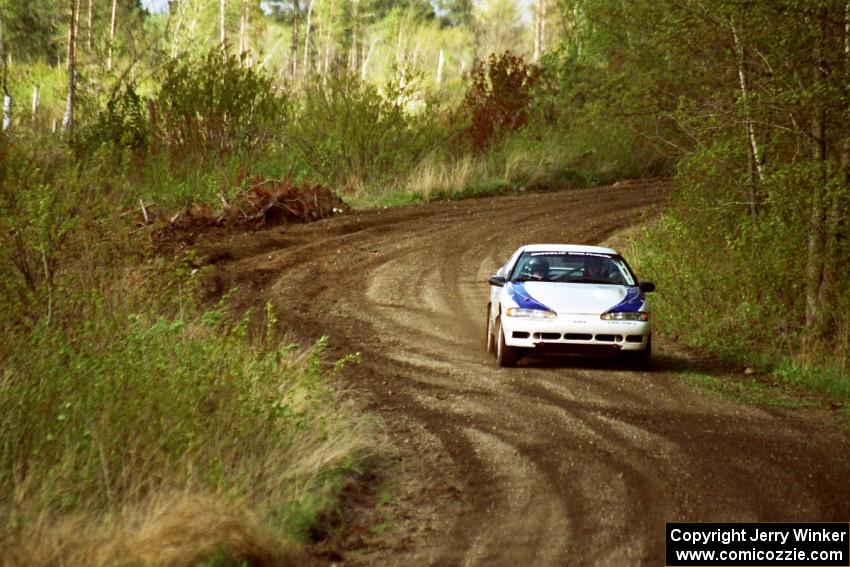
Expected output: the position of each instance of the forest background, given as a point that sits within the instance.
(113, 105)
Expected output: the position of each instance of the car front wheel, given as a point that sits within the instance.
(642, 359)
(491, 341)
(506, 356)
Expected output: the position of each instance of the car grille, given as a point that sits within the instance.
(600, 338)
(609, 338)
(548, 336)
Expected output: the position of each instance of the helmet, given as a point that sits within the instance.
(538, 267)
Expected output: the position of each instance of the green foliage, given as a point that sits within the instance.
(455, 12)
(709, 255)
(756, 128)
(498, 98)
(830, 380)
(31, 29)
(350, 135)
(100, 415)
(217, 104)
(116, 389)
(122, 123)
(756, 391)
(39, 208)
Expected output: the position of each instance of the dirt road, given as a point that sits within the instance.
(552, 463)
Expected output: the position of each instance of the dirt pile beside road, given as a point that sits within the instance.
(265, 203)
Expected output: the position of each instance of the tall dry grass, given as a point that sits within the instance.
(169, 529)
(499, 170)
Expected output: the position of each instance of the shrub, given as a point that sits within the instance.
(727, 273)
(349, 134)
(123, 122)
(115, 414)
(40, 204)
(499, 98)
(216, 103)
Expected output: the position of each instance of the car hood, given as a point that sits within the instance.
(579, 298)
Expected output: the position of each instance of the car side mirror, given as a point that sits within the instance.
(647, 287)
(498, 281)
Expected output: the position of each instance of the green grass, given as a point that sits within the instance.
(748, 390)
(830, 381)
(100, 418)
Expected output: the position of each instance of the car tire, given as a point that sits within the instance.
(490, 340)
(642, 359)
(506, 356)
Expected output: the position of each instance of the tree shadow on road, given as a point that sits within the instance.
(663, 361)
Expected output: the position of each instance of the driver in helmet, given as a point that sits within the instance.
(538, 269)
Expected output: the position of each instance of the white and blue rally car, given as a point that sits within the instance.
(568, 298)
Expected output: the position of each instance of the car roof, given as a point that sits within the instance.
(567, 248)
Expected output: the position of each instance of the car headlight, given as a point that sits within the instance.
(530, 313)
(626, 316)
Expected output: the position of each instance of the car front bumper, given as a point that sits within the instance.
(567, 330)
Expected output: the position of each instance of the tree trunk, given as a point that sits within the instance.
(7, 111)
(306, 67)
(77, 20)
(222, 27)
(328, 40)
(7, 99)
(68, 118)
(176, 6)
(845, 150)
(543, 11)
(366, 60)
(293, 50)
(476, 40)
(242, 28)
(5, 76)
(353, 56)
(537, 20)
(440, 63)
(89, 37)
(399, 52)
(836, 253)
(817, 313)
(112, 24)
(755, 158)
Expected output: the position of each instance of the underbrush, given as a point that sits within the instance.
(733, 284)
(135, 425)
(207, 124)
(121, 423)
(533, 158)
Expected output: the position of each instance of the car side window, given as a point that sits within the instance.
(510, 265)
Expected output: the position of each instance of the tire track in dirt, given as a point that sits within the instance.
(553, 463)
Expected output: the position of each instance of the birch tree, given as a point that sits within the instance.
(112, 23)
(223, 25)
(754, 153)
(7, 98)
(307, 28)
(90, 27)
(293, 50)
(68, 118)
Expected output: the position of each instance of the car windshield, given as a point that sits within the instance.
(572, 267)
